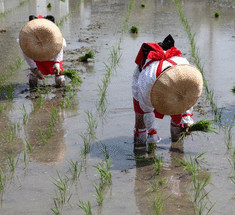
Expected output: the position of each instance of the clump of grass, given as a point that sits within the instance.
(49, 6)
(203, 126)
(233, 89)
(88, 55)
(143, 5)
(217, 14)
(134, 29)
(73, 75)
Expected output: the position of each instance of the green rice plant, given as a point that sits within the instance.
(203, 126)
(217, 14)
(42, 136)
(115, 56)
(73, 76)
(233, 89)
(86, 207)
(12, 162)
(157, 165)
(49, 6)
(156, 184)
(105, 173)
(3, 180)
(56, 210)
(62, 194)
(75, 170)
(11, 134)
(228, 135)
(86, 145)
(88, 55)
(54, 116)
(134, 29)
(92, 126)
(158, 201)
(99, 194)
(25, 115)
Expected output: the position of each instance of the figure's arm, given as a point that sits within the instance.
(187, 119)
(58, 58)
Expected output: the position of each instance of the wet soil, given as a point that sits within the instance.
(102, 26)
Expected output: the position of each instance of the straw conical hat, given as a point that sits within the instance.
(40, 39)
(177, 89)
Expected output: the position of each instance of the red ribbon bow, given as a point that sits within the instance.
(158, 54)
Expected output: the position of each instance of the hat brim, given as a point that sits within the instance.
(40, 39)
(177, 89)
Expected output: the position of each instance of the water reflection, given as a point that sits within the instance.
(174, 188)
(45, 133)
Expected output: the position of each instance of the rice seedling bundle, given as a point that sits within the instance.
(203, 126)
(73, 75)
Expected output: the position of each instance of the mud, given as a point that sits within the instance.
(102, 26)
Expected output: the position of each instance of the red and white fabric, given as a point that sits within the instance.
(142, 83)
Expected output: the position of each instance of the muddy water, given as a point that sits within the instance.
(100, 25)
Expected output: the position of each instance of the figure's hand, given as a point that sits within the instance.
(57, 69)
(186, 128)
(37, 73)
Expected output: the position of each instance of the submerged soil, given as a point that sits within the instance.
(41, 161)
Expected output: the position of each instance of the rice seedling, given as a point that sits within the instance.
(25, 115)
(217, 14)
(99, 194)
(88, 55)
(75, 170)
(203, 126)
(86, 145)
(92, 126)
(73, 76)
(86, 207)
(143, 5)
(134, 29)
(156, 184)
(115, 56)
(42, 136)
(233, 89)
(54, 116)
(158, 201)
(157, 165)
(105, 173)
(49, 6)
(3, 179)
(199, 183)
(56, 210)
(62, 194)
(12, 163)
(228, 135)
(11, 134)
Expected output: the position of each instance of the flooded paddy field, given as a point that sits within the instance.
(70, 150)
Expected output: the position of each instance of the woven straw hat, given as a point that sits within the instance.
(40, 39)
(177, 89)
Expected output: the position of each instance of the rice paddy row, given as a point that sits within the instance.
(199, 185)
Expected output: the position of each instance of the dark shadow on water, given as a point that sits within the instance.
(121, 151)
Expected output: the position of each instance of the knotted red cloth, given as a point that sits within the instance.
(158, 54)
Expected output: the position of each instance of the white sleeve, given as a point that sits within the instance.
(187, 117)
(30, 61)
(59, 57)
